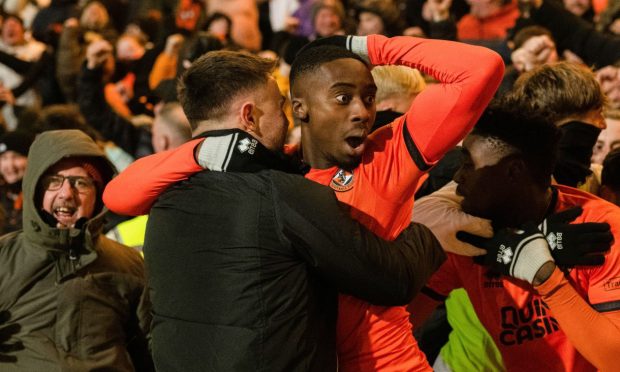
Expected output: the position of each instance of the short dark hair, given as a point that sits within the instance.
(611, 170)
(213, 80)
(529, 32)
(558, 91)
(535, 138)
(310, 59)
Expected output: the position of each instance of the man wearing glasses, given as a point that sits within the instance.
(71, 299)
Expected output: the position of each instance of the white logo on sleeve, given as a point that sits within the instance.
(504, 255)
(555, 240)
(247, 145)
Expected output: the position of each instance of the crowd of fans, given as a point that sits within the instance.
(110, 69)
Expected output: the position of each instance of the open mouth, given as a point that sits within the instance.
(355, 142)
(63, 213)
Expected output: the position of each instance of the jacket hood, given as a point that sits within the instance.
(48, 149)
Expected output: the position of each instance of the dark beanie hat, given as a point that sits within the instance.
(17, 141)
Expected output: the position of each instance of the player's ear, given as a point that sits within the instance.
(300, 110)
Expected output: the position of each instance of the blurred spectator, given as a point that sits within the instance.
(94, 23)
(571, 32)
(609, 77)
(532, 46)
(135, 140)
(580, 8)
(610, 178)
(51, 18)
(244, 18)
(14, 42)
(220, 25)
(328, 17)
(609, 20)
(609, 138)
(487, 20)
(188, 16)
(378, 17)
(14, 148)
(166, 64)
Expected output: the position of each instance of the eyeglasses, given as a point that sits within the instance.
(54, 182)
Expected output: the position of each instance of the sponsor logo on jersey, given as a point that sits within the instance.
(526, 324)
(247, 145)
(342, 181)
(493, 283)
(612, 284)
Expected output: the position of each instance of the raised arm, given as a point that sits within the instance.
(573, 33)
(136, 189)
(94, 107)
(443, 113)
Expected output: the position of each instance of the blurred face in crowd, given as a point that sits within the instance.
(369, 23)
(577, 7)
(12, 32)
(129, 49)
(95, 16)
(71, 198)
(327, 22)
(608, 140)
(12, 166)
(220, 28)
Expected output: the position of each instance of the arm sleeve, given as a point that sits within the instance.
(18, 65)
(33, 74)
(595, 335)
(165, 67)
(573, 33)
(346, 254)
(134, 191)
(98, 114)
(443, 113)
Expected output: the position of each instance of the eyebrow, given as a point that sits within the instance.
(342, 85)
(372, 87)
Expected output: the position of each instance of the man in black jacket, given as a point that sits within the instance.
(245, 260)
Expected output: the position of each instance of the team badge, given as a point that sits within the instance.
(342, 181)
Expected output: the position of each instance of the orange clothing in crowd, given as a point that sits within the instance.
(493, 27)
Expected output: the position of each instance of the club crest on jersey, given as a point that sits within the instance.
(342, 181)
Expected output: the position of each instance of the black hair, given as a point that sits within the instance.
(534, 138)
(611, 170)
(310, 59)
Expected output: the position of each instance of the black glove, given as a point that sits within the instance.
(6, 332)
(517, 253)
(576, 244)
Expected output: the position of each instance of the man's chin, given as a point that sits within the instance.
(349, 162)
